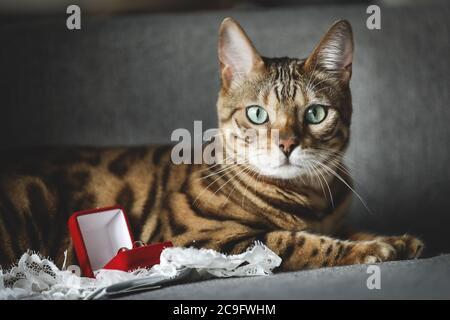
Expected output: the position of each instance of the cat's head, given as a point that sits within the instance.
(306, 102)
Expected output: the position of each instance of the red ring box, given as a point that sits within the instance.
(97, 236)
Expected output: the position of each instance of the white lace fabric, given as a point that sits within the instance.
(35, 277)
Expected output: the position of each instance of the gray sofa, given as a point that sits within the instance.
(131, 80)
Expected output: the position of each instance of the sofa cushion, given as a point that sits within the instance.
(413, 279)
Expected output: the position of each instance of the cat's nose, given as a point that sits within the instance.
(288, 145)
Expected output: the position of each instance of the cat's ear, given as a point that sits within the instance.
(237, 55)
(334, 52)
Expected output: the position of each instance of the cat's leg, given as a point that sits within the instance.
(302, 250)
(406, 246)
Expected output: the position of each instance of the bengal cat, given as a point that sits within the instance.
(292, 195)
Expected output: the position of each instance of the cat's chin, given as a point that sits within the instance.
(285, 171)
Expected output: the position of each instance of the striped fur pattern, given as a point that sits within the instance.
(293, 202)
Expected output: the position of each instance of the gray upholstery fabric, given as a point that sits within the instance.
(422, 279)
(133, 79)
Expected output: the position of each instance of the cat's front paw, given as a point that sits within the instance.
(406, 246)
(369, 252)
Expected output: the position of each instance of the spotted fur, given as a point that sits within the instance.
(223, 207)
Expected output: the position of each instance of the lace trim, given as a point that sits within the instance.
(38, 277)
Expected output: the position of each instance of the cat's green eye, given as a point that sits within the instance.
(315, 114)
(257, 114)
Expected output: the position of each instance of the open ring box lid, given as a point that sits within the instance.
(98, 235)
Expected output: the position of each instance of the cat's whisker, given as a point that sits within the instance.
(326, 183)
(232, 190)
(334, 152)
(246, 188)
(334, 162)
(339, 165)
(344, 182)
(308, 172)
(226, 167)
(257, 181)
(239, 160)
(209, 167)
(342, 168)
(328, 187)
(207, 187)
(226, 182)
(308, 166)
